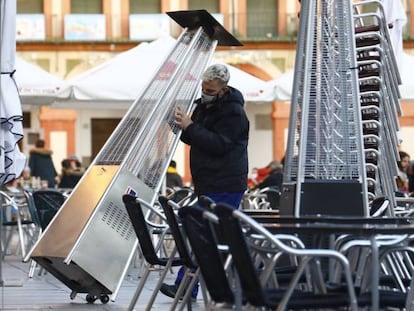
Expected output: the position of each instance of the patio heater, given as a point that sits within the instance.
(324, 170)
(342, 146)
(90, 242)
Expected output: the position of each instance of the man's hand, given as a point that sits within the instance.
(181, 119)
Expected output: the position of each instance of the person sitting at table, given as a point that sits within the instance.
(402, 180)
(268, 176)
(70, 174)
(174, 180)
(25, 179)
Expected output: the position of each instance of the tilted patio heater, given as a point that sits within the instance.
(342, 142)
(90, 242)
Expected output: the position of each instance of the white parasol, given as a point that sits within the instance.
(282, 86)
(12, 161)
(37, 86)
(395, 15)
(122, 78)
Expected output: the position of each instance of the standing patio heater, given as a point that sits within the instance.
(324, 166)
(342, 143)
(90, 242)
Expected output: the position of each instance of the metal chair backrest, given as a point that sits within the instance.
(183, 196)
(134, 210)
(179, 239)
(47, 203)
(12, 212)
(32, 207)
(144, 232)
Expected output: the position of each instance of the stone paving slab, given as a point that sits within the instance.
(45, 292)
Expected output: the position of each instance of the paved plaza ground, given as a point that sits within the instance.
(45, 292)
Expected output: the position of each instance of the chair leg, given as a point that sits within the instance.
(183, 284)
(409, 302)
(32, 268)
(161, 279)
(33, 234)
(204, 291)
(141, 263)
(21, 236)
(187, 295)
(8, 237)
(139, 289)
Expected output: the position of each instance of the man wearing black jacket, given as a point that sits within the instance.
(217, 133)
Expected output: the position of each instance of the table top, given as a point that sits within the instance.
(331, 225)
(356, 228)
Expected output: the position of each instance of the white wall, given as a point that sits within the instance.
(407, 145)
(261, 141)
(58, 140)
(83, 127)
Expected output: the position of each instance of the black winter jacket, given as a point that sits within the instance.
(41, 165)
(218, 138)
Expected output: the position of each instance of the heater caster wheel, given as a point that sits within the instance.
(90, 298)
(104, 299)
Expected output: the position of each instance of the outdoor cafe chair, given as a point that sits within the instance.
(150, 251)
(35, 217)
(240, 231)
(17, 217)
(210, 259)
(43, 204)
(47, 203)
(378, 251)
(192, 270)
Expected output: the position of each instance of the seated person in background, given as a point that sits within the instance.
(410, 173)
(25, 179)
(174, 179)
(70, 174)
(275, 177)
(262, 173)
(11, 186)
(76, 164)
(402, 177)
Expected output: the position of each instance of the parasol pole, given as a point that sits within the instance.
(1, 160)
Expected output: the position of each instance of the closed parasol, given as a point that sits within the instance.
(12, 161)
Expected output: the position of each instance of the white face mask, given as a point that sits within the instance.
(205, 99)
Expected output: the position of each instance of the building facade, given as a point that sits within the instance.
(67, 37)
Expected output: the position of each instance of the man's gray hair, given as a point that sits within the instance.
(217, 71)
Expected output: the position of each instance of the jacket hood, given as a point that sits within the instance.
(41, 151)
(232, 94)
